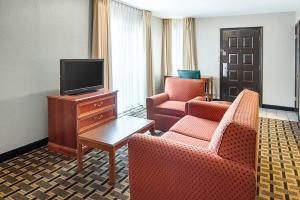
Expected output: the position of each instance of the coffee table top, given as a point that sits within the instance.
(116, 131)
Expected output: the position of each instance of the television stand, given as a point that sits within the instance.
(72, 115)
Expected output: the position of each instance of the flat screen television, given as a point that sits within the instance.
(80, 75)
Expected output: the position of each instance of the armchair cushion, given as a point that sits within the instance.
(199, 98)
(173, 108)
(184, 89)
(177, 137)
(195, 127)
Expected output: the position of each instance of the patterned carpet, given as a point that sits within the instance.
(42, 174)
(278, 160)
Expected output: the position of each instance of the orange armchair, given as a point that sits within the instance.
(169, 107)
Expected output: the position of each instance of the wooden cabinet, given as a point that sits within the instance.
(69, 116)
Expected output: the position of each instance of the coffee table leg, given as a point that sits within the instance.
(112, 166)
(152, 129)
(79, 157)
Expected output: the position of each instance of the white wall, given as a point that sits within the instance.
(34, 35)
(297, 15)
(156, 51)
(278, 52)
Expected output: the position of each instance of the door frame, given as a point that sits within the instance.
(297, 64)
(260, 68)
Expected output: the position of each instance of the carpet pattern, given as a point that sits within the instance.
(42, 174)
(278, 160)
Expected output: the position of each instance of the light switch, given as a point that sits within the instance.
(224, 69)
(224, 53)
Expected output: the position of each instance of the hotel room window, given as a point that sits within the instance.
(177, 45)
(128, 56)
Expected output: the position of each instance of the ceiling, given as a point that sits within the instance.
(212, 8)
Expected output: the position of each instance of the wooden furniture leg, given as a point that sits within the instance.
(208, 81)
(112, 166)
(212, 89)
(79, 157)
(152, 130)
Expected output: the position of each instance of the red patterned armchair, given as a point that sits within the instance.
(209, 154)
(169, 107)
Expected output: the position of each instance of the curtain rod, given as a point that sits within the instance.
(126, 4)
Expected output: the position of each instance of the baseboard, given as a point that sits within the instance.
(278, 107)
(24, 149)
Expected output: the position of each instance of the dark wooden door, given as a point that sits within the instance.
(297, 66)
(240, 61)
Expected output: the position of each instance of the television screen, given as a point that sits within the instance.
(81, 75)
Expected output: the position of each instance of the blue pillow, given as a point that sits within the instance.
(189, 74)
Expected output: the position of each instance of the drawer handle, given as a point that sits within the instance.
(99, 117)
(98, 105)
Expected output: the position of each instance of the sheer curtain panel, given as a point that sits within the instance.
(128, 55)
(177, 45)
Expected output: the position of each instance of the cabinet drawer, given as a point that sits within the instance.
(95, 120)
(95, 105)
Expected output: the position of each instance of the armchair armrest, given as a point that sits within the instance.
(153, 101)
(157, 99)
(207, 110)
(163, 169)
(198, 98)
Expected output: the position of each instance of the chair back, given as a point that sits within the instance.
(184, 89)
(189, 74)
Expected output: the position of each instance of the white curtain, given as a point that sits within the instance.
(177, 45)
(128, 56)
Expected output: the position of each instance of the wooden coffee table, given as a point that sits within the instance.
(112, 136)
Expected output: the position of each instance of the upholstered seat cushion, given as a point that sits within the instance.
(185, 139)
(174, 108)
(195, 127)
